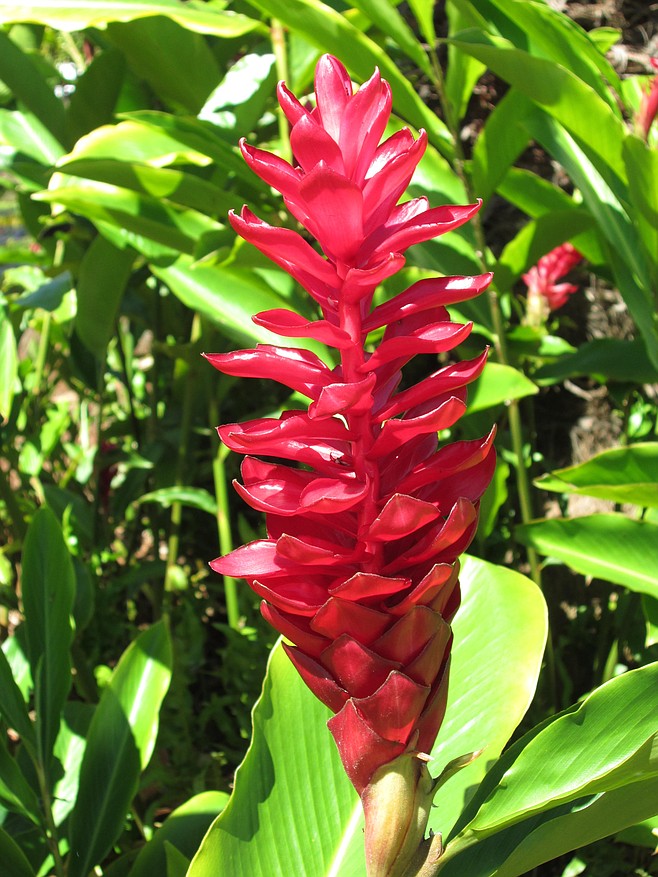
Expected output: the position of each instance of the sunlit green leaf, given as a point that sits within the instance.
(625, 475)
(497, 385)
(611, 547)
(309, 821)
(8, 366)
(119, 746)
(193, 497)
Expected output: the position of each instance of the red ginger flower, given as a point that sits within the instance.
(359, 570)
(544, 294)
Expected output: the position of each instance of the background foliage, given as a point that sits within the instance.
(127, 670)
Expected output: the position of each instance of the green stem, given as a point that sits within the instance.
(278, 39)
(49, 821)
(502, 353)
(182, 460)
(224, 525)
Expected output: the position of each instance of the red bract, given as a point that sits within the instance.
(648, 104)
(541, 278)
(359, 571)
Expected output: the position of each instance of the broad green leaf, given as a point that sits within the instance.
(239, 100)
(69, 751)
(604, 359)
(331, 32)
(48, 588)
(642, 164)
(518, 850)
(26, 135)
(624, 475)
(462, 71)
(500, 142)
(423, 11)
(559, 91)
(13, 858)
(96, 93)
(119, 746)
(70, 16)
(13, 708)
(546, 33)
(308, 822)
(611, 547)
(194, 497)
(174, 228)
(644, 834)
(102, 279)
(8, 366)
(604, 743)
(386, 17)
(229, 297)
(184, 829)
(22, 76)
(16, 794)
(498, 384)
(487, 699)
(536, 238)
(179, 187)
(141, 42)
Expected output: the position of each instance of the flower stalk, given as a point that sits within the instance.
(366, 520)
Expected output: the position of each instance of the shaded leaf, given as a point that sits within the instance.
(604, 359)
(102, 279)
(13, 857)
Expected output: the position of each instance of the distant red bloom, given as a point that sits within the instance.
(648, 104)
(541, 278)
(359, 570)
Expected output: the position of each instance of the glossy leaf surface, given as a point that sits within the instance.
(294, 811)
(119, 746)
(624, 475)
(611, 547)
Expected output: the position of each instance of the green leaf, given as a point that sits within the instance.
(309, 822)
(26, 135)
(23, 78)
(184, 829)
(239, 100)
(48, 584)
(102, 279)
(193, 497)
(96, 93)
(13, 858)
(13, 708)
(604, 359)
(386, 17)
(8, 366)
(624, 475)
(119, 746)
(176, 229)
(557, 90)
(642, 164)
(144, 41)
(611, 547)
(70, 16)
(604, 747)
(462, 71)
(331, 32)
(423, 11)
(500, 142)
(15, 792)
(228, 297)
(497, 385)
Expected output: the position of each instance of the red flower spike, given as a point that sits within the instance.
(544, 293)
(359, 570)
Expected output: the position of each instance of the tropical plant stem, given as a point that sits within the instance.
(224, 524)
(49, 821)
(182, 460)
(500, 343)
(278, 38)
